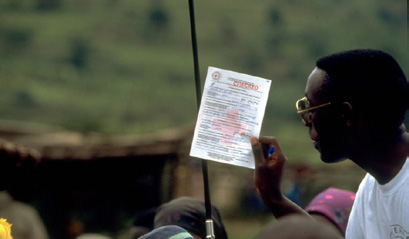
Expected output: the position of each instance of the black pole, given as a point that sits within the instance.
(209, 222)
(195, 54)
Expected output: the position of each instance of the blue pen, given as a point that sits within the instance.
(271, 150)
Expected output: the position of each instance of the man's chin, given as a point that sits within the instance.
(328, 158)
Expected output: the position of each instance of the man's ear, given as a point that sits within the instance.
(347, 114)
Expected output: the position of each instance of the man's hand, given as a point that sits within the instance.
(268, 168)
(267, 177)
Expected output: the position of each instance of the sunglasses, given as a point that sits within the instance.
(303, 107)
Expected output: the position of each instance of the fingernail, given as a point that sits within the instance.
(271, 150)
(253, 141)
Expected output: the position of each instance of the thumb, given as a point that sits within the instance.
(257, 150)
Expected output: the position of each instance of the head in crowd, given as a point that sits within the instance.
(190, 214)
(15, 160)
(357, 98)
(332, 206)
(300, 227)
(92, 236)
(168, 232)
(143, 223)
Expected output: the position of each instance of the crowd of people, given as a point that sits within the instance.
(187, 216)
(354, 108)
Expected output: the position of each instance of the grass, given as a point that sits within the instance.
(112, 67)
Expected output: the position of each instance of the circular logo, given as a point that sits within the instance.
(216, 75)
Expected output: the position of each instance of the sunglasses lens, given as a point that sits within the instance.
(302, 104)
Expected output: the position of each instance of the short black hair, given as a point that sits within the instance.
(371, 81)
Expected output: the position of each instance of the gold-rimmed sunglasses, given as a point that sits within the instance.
(303, 107)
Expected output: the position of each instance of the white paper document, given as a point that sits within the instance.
(231, 112)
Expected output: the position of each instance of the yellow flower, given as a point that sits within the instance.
(5, 229)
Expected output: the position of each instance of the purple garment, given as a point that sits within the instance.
(335, 204)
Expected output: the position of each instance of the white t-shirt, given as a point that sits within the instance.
(381, 211)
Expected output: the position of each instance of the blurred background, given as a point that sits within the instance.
(92, 82)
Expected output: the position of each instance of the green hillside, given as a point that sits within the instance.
(125, 66)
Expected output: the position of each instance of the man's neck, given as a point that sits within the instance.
(384, 162)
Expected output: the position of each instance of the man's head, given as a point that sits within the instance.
(362, 97)
(372, 81)
(190, 214)
(143, 223)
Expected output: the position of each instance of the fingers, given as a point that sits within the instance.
(265, 143)
(268, 173)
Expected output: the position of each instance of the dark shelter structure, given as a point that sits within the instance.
(89, 183)
(95, 183)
